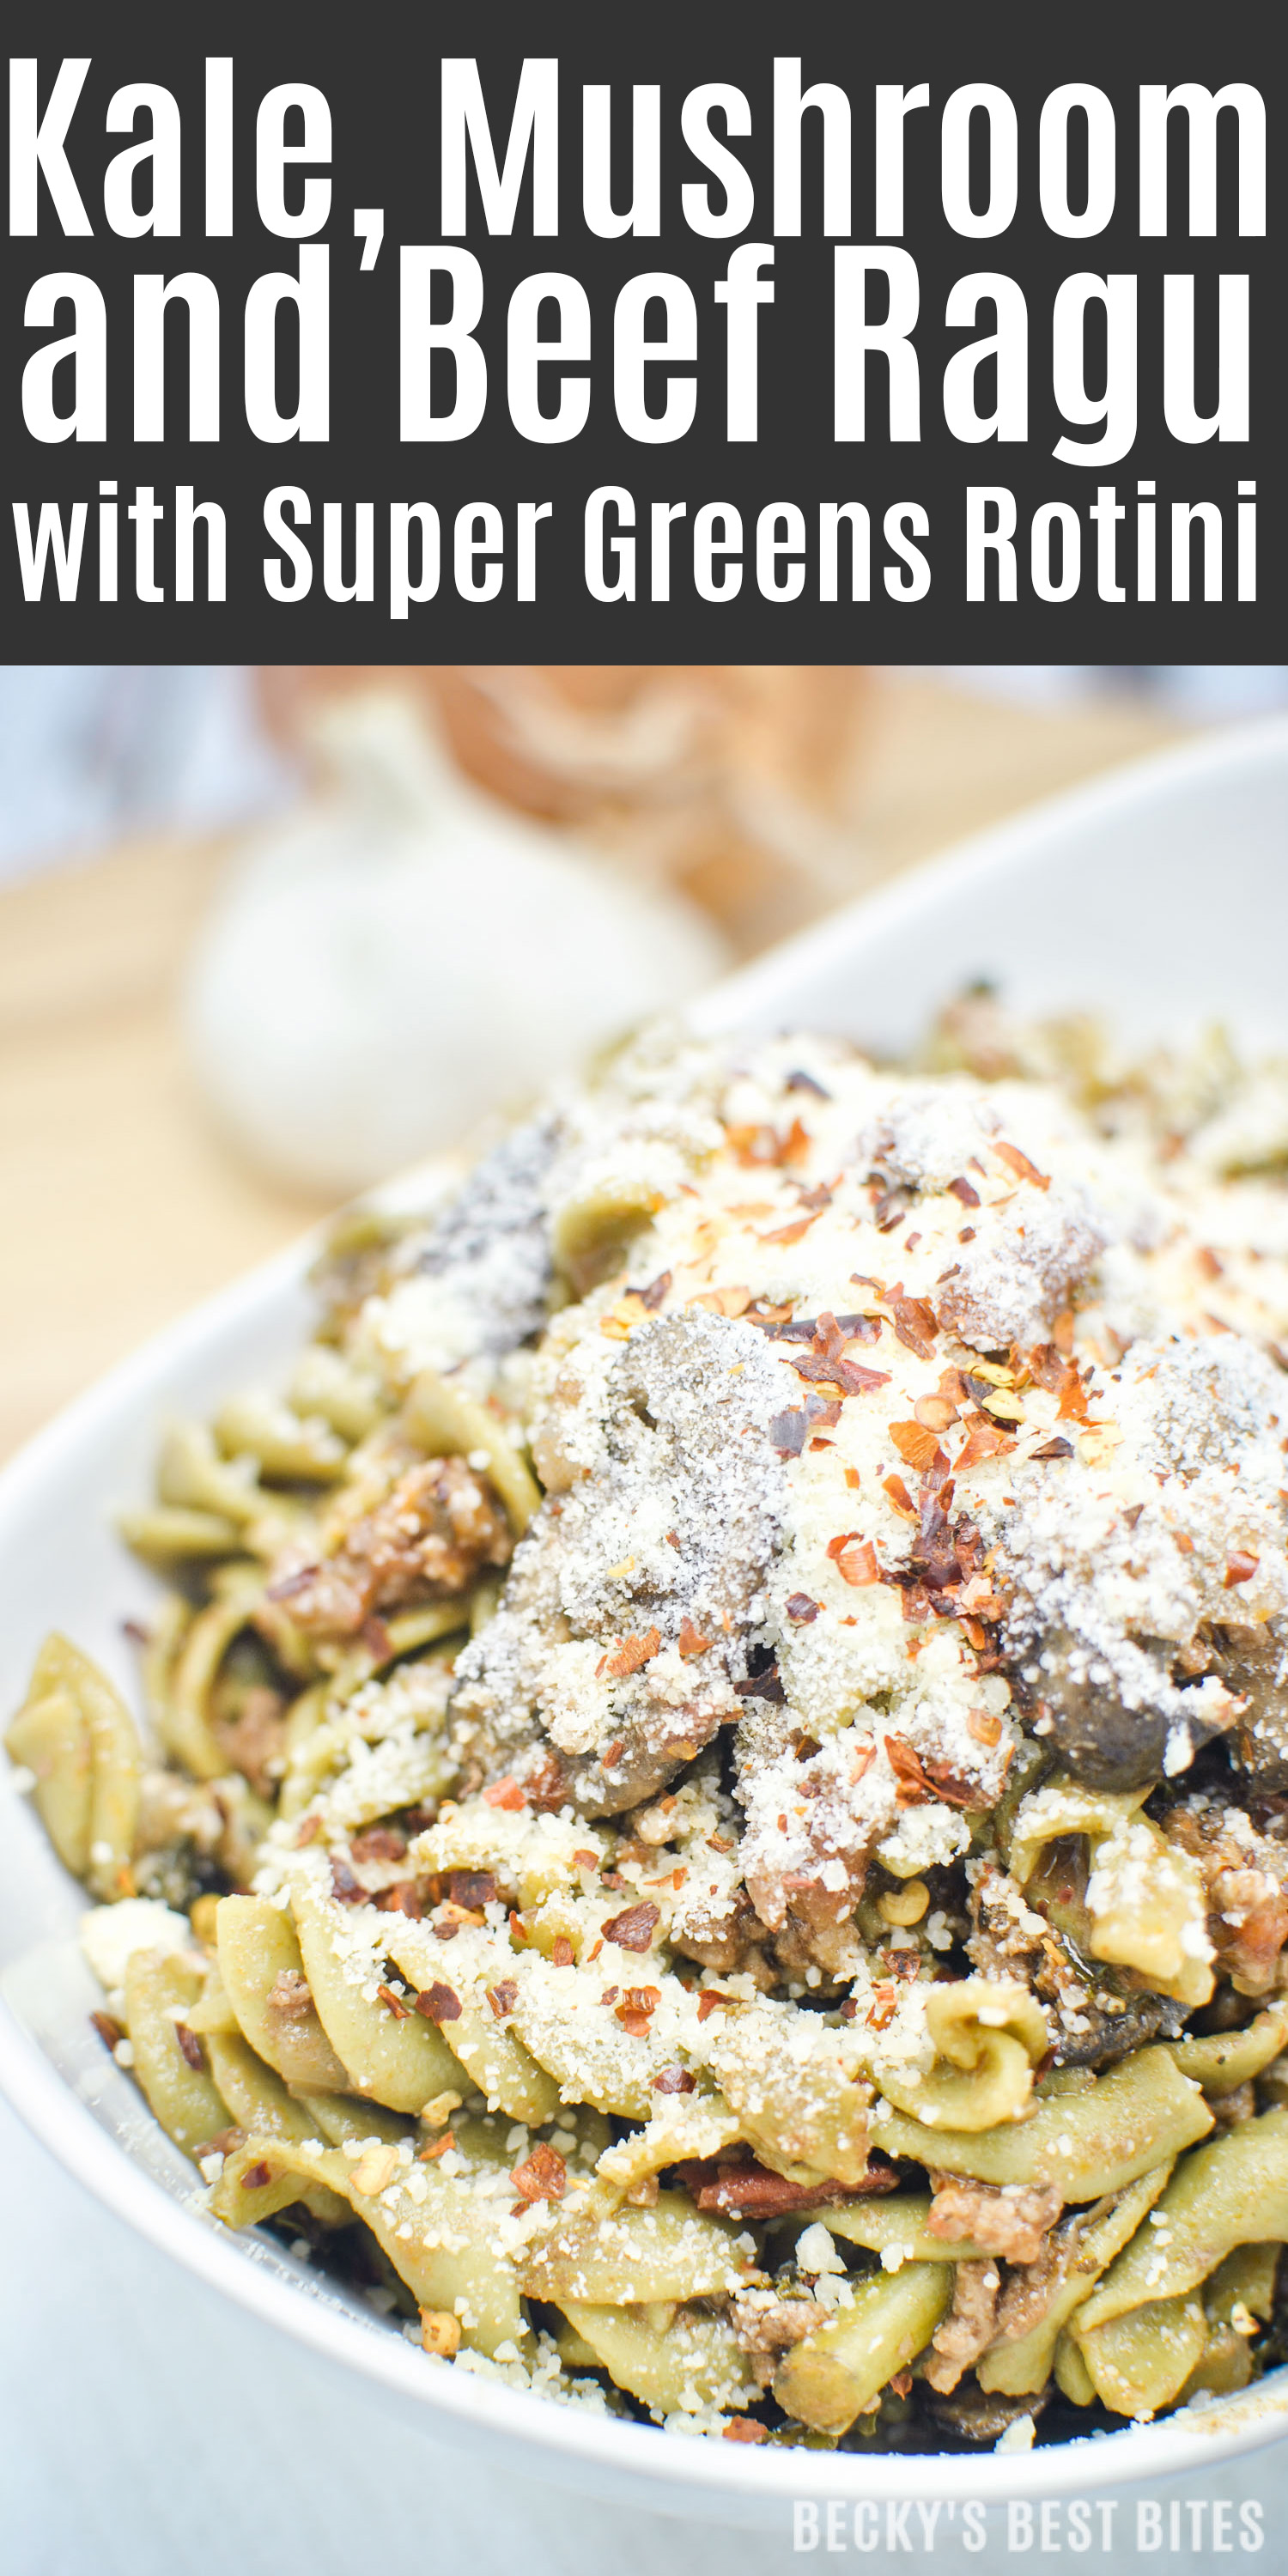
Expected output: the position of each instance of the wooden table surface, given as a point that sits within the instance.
(121, 1203)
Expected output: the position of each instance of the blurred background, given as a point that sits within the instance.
(266, 935)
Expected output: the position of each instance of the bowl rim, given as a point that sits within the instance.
(663, 2470)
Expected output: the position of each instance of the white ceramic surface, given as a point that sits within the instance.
(1160, 897)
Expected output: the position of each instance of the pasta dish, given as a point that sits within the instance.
(708, 1823)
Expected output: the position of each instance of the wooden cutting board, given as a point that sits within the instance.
(121, 1205)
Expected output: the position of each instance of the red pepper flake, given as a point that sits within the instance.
(710, 2001)
(563, 1953)
(1062, 1330)
(406, 1896)
(983, 1440)
(917, 1446)
(471, 1889)
(636, 2009)
(586, 1859)
(789, 1233)
(837, 1546)
(256, 2177)
(308, 1831)
(800, 1609)
(593, 1954)
(518, 1929)
(395, 2003)
(689, 1642)
(1053, 1449)
(985, 1728)
(1240, 1568)
(628, 1655)
(901, 2384)
(915, 1324)
(1019, 1163)
(674, 2079)
(440, 2147)
(344, 1886)
(634, 1928)
(110, 2031)
(610, 1994)
(653, 1295)
(744, 2428)
(883, 2010)
(899, 1495)
(438, 2004)
(914, 1784)
(962, 1189)
(446, 1931)
(376, 1638)
(764, 1146)
(503, 1997)
(852, 1479)
(190, 2048)
(505, 1793)
(378, 1842)
(542, 2176)
(849, 1375)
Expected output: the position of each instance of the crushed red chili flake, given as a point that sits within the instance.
(1053, 1449)
(586, 1859)
(743, 2428)
(850, 1375)
(256, 2177)
(913, 1784)
(1240, 1568)
(344, 1886)
(800, 1609)
(636, 2009)
(915, 1324)
(674, 2079)
(518, 1929)
(470, 1888)
(110, 2031)
(653, 1295)
(985, 1728)
(917, 1446)
(965, 1191)
(610, 1994)
(507, 1794)
(395, 2003)
(709, 2001)
(856, 1563)
(308, 1832)
(899, 1495)
(190, 2048)
(503, 1997)
(438, 2004)
(1019, 1163)
(901, 2384)
(406, 1896)
(883, 2011)
(441, 2147)
(628, 1655)
(983, 1440)
(789, 1233)
(634, 1928)
(542, 2176)
(225, 2142)
(689, 1642)
(378, 1842)
(563, 1953)
(764, 1145)
(446, 1931)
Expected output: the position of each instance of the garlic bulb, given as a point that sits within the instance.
(404, 956)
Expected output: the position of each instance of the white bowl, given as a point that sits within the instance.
(1159, 896)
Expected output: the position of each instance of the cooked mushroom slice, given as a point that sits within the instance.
(1253, 1663)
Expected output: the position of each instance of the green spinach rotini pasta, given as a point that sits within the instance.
(707, 1815)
